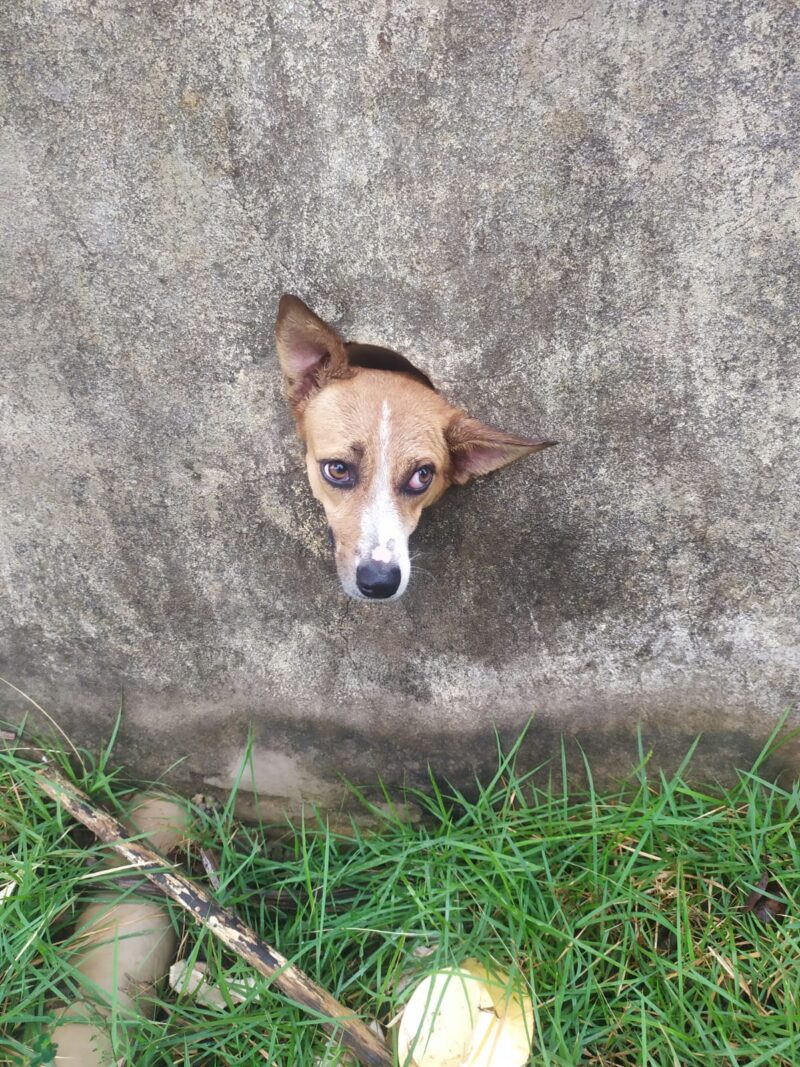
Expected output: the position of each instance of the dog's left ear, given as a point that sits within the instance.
(309, 349)
(476, 448)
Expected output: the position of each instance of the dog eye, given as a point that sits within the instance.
(338, 473)
(420, 479)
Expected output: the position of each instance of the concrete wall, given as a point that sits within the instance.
(580, 218)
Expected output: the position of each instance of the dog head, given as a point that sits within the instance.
(381, 445)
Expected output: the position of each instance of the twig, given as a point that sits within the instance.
(210, 866)
(222, 922)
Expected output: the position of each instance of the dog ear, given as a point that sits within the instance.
(476, 448)
(309, 349)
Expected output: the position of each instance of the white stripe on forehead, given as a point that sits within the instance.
(380, 523)
(383, 537)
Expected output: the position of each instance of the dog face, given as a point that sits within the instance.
(381, 445)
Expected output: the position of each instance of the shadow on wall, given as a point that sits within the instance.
(290, 764)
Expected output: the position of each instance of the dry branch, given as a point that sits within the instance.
(222, 922)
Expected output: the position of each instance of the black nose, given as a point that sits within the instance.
(378, 580)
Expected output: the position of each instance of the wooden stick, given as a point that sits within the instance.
(222, 922)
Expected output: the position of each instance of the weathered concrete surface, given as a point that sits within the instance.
(580, 218)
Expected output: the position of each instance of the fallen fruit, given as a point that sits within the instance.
(466, 1017)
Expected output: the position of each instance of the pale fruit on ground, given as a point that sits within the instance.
(123, 947)
(466, 1017)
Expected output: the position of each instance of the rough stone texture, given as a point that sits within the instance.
(580, 218)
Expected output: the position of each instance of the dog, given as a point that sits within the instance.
(381, 445)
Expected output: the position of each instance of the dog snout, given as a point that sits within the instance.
(378, 580)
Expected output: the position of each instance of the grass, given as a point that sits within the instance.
(623, 912)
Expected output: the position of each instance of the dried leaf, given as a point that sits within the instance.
(207, 804)
(729, 969)
(184, 979)
(766, 901)
(421, 951)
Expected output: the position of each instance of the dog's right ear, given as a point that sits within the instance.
(310, 351)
